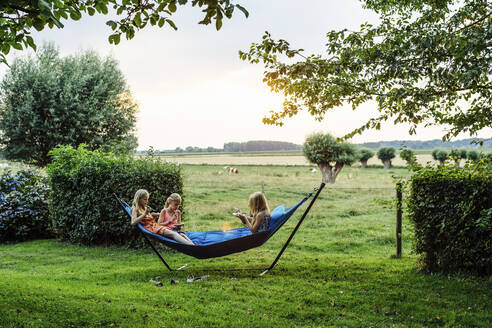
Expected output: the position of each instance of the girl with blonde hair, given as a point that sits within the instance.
(141, 213)
(170, 216)
(259, 220)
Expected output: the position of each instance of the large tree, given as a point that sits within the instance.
(19, 17)
(329, 154)
(49, 100)
(427, 62)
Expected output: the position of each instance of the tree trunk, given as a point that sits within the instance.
(363, 164)
(330, 172)
(387, 163)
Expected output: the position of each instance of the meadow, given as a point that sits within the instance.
(339, 270)
(270, 158)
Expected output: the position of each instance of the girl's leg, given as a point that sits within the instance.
(182, 234)
(176, 236)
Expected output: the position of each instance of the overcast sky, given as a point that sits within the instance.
(193, 90)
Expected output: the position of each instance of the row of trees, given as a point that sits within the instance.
(331, 156)
(457, 155)
(260, 145)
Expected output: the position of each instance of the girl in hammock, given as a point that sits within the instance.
(141, 213)
(260, 213)
(170, 216)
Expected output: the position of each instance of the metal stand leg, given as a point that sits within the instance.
(295, 229)
(158, 254)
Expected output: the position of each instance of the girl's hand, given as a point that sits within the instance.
(242, 217)
(148, 209)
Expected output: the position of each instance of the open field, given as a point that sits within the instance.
(337, 272)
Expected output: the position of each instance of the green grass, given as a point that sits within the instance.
(338, 270)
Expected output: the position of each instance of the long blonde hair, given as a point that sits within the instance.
(257, 202)
(141, 193)
(173, 197)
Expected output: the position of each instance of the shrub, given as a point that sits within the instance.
(440, 155)
(386, 154)
(408, 156)
(457, 155)
(473, 155)
(82, 207)
(23, 206)
(451, 209)
(364, 155)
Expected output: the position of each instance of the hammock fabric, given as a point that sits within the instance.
(218, 243)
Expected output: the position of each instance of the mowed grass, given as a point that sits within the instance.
(337, 271)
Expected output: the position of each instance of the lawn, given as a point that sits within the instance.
(338, 271)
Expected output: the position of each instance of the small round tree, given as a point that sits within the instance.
(473, 155)
(408, 156)
(434, 154)
(364, 155)
(457, 155)
(386, 154)
(440, 155)
(331, 156)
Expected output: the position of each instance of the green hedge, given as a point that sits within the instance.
(451, 209)
(82, 207)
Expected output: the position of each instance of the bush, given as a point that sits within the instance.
(23, 206)
(82, 207)
(457, 155)
(473, 155)
(451, 209)
(440, 155)
(386, 154)
(408, 156)
(364, 155)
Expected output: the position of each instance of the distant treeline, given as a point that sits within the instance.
(265, 145)
(260, 145)
(429, 144)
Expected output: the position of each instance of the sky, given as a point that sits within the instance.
(193, 90)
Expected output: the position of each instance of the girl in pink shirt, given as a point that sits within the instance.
(170, 216)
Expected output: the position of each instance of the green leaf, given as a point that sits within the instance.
(38, 24)
(112, 24)
(246, 13)
(218, 24)
(170, 22)
(75, 15)
(161, 22)
(91, 11)
(172, 7)
(137, 20)
(30, 42)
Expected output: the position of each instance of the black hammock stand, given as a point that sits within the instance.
(221, 243)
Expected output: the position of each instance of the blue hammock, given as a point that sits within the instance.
(220, 243)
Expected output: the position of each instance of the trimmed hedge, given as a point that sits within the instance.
(451, 209)
(82, 207)
(23, 206)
